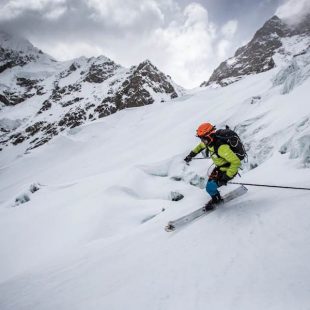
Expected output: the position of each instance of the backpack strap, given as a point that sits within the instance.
(216, 144)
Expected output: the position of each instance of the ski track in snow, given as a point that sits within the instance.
(92, 236)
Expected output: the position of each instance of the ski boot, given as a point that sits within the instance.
(210, 205)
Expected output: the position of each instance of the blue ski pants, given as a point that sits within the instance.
(212, 187)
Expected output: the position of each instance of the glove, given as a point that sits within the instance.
(189, 157)
(223, 178)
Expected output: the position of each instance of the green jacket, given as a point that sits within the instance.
(226, 159)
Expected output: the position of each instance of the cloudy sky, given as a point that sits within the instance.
(185, 39)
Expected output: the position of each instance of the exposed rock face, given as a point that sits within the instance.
(59, 95)
(143, 84)
(10, 59)
(257, 55)
(99, 72)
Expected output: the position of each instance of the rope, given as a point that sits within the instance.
(276, 186)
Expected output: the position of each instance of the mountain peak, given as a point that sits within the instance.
(273, 26)
(146, 64)
(257, 56)
(16, 43)
(78, 91)
(18, 51)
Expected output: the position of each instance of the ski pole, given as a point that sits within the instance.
(267, 185)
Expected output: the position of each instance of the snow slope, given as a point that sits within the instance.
(81, 220)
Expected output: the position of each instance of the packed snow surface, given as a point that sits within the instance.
(82, 218)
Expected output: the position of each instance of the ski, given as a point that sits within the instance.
(173, 225)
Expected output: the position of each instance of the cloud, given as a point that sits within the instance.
(293, 9)
(222, 48)
(179, 40)
(15, 8)
(186, 45)
(76, 50)
(229, 29)
(124, 13)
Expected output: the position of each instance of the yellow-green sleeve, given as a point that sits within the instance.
(200, 147)
(225, 152)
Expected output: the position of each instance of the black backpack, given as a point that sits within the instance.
(230, 137)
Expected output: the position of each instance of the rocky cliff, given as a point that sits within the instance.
(269, 44)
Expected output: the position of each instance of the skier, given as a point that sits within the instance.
(226, 161)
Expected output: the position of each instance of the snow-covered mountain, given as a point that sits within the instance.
(276, 42)
(41, 97)
(82, 217)
(17, 51)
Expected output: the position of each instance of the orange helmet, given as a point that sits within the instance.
(205, 129)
